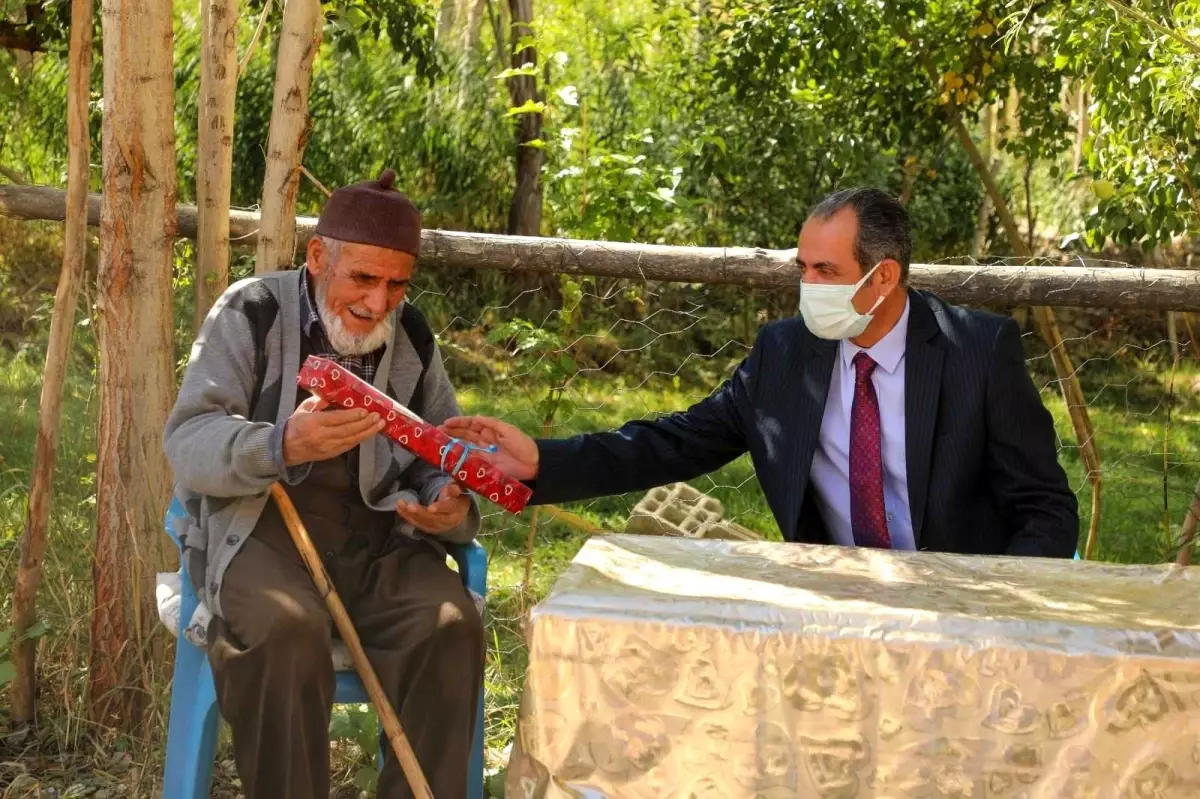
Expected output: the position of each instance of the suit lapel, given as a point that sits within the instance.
(289, 342)
(815, 372)
(922, 389)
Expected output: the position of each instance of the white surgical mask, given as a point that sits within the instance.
(828, 309)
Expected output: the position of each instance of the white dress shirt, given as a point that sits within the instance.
(831, 461)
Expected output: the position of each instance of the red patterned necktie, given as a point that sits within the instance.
(868, 517)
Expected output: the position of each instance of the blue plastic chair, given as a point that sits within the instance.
(192, 729)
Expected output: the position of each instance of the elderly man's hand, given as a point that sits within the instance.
(314, 434)
(446, 512)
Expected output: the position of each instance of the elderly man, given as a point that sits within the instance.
(378, 515)
(882, 417)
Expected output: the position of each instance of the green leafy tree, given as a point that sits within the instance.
(1141, 68)
(905, 76)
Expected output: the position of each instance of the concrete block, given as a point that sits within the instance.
(681, 510)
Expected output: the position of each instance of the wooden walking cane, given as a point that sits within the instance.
(391, 724)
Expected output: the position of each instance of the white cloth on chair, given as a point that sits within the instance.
(168, 593)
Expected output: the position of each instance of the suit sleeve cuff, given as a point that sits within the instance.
(465, 531)
(553, 462)
(291, 475)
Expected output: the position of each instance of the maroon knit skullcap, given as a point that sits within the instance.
(373, 212)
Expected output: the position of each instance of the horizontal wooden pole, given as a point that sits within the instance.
(1060, 286)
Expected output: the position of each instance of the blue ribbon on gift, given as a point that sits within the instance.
(467, 448)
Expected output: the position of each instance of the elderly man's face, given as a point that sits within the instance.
(361, 286)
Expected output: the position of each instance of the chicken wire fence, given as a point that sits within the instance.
(559, 355)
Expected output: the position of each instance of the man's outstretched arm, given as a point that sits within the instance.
(638, 456)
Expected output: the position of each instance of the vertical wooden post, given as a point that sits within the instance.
(525, 212)
(214, 162)
(445, 21)
(1188, 532)
(299, 40)
(137, 359)
(985, 206)
(62, 324)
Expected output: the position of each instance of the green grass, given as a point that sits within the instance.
(1128, 406)
(1147, 424)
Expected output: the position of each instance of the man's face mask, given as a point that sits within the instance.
(828, 309)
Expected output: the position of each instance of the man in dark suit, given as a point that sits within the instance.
(882, 417)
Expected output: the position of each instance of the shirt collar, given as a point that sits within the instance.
(888, 351)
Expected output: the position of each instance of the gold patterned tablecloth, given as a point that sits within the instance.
(678, 668)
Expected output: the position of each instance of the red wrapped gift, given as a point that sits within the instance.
(338, 386)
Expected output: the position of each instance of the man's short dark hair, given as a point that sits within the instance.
(883, 229)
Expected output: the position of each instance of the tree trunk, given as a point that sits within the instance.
(496, 17)
(254, 38)
(1012, 113)
(23, 55)
(214, 161)
(965, 284)
(470, 57)
(1030, 215)
(1083, 122)
(906, 184)
(14, 37)
(525, 213)
(13, 175)
(62, 324)
(445, 21)
(1190, 325)
(985, 206)
(137, 380)
(1188, 533)
(473, 27)
(298, 42)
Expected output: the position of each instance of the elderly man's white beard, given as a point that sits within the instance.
(341, 339)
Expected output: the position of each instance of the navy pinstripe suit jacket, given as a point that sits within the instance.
(982, 465)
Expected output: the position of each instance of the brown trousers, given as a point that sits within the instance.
(271, 657)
